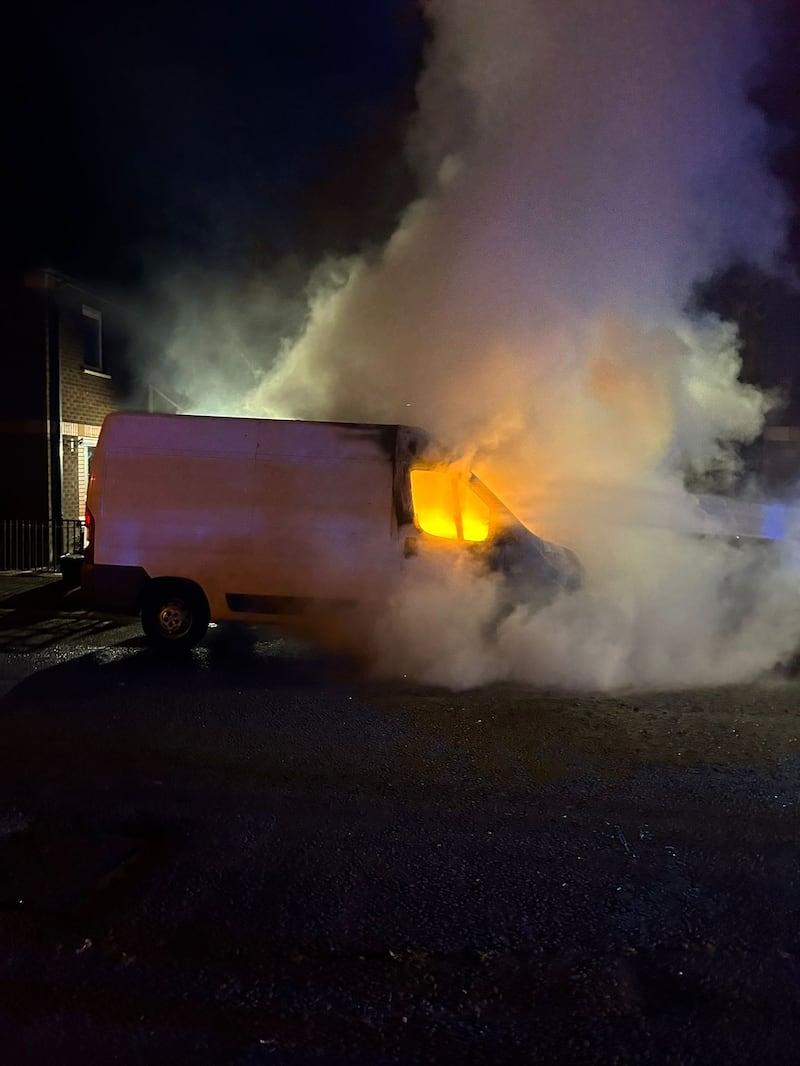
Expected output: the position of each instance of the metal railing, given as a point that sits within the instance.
(30, 545)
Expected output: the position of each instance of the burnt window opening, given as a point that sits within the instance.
(446, 505)
(92, 338)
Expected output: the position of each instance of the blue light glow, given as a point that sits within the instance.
(773, 521)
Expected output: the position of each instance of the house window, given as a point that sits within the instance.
(92, 338)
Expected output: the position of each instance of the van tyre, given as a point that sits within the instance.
(175, 614)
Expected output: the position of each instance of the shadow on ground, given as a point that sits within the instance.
(47, 614)
(43, 596)
(233, 658)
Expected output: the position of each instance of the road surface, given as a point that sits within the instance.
(252, 855)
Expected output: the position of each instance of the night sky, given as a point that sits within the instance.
(227, 137)
(219, 135)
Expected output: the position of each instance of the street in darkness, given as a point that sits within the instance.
(254, 855)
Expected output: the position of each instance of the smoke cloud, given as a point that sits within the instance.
(580, 166)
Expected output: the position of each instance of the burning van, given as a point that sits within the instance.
(192, 519)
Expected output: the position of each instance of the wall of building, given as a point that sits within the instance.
(57, 389)
(88, 392)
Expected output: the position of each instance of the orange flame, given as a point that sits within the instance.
(445, 505)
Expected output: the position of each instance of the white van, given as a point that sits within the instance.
(192, 519)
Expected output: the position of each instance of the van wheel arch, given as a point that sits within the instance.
(175, 612)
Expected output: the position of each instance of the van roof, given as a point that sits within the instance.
(216, 434)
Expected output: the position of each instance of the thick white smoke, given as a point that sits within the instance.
(579, 161)
(581, 165)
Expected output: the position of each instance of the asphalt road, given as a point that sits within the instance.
(252, 855)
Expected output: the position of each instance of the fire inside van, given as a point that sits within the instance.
(447, 504)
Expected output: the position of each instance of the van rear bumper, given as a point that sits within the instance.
(112, 588)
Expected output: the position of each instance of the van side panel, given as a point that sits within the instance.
(322, 528)
(268, 517)
(178, 516)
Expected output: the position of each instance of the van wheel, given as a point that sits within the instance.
(175, 614)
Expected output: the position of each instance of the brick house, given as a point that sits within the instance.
(64, 359)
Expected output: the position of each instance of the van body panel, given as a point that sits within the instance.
(114, 588)
(256, 512)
